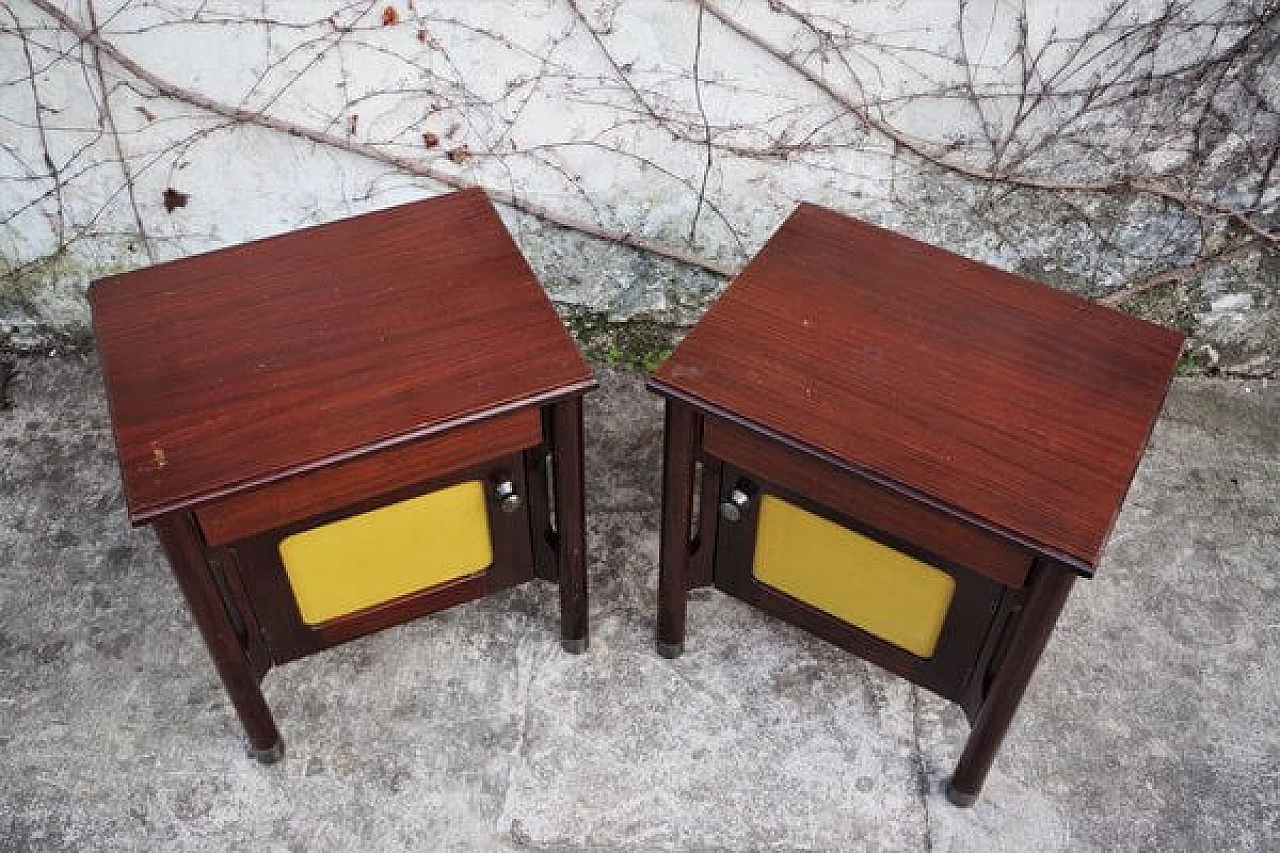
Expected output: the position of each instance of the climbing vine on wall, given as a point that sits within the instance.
(1147, 130)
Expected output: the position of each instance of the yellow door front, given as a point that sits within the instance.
(367, 559)
(882, 591)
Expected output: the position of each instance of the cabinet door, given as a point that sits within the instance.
(373, 557)
(883, 591)
(334, 577)
(881, 598)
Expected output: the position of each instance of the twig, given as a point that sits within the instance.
(662, 121)
(1002, 170)
(108, 118)
(939, 158)
(351, 146)
(706, 125)
(1183, 273)
(1265, 180)
(38, 108)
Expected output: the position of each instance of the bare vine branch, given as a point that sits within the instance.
(939, 157)
(109, 121)
(410, 165)
(706, 125)
(1150, 134)
(1181, 274)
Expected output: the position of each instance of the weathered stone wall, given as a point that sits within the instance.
(1122, 149)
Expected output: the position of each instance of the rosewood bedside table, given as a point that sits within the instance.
(342, 428)
(909, 454)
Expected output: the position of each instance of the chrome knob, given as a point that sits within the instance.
(508, 498)
(732, 508)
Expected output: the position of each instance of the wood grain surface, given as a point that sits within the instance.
(239, 367)
(998, 398)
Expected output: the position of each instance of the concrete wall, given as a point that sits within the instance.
(1096, 145)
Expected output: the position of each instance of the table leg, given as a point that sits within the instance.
(181, 543)
(566, 419)
(680, 448)
(1049, 593)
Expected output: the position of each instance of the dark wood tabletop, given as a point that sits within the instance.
(1004, 401)
(245, 365)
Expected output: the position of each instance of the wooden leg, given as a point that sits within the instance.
(566, 418)
(680, 447)
(1049, 593)
(181, 542)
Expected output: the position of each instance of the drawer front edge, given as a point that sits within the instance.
(324, 490)
(900, 517)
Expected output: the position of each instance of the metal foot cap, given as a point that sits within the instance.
(958, 797)
(270, 755)
(576, 646)
(670, 651)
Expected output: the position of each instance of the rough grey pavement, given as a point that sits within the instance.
(1153, 723)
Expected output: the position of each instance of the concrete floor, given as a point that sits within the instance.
(1153, 724)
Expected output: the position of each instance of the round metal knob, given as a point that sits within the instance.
(732, 507)
(508, 498)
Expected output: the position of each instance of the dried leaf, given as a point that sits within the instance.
(430, 139)
(390, 16)
(422, 35)
(173, 199)
(460, 154)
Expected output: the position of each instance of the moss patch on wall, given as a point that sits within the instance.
(43, 303)
(641, 342)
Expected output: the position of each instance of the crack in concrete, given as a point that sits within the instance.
(922, 771)
(522, 742)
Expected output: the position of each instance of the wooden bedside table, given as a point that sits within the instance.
(907, 453)
(345, 427)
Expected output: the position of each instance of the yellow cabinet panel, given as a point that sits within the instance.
(374, 557)
(882, 591)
